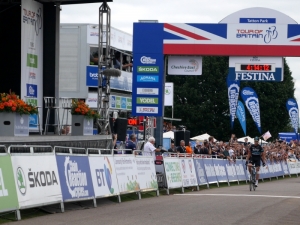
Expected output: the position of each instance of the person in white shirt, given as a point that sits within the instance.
(149, 148)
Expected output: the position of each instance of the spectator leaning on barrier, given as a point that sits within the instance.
(172, 149)
(181, 148)
(149, 148)
(205, 149)
(130, 144)
(189, 148)
(197, 147)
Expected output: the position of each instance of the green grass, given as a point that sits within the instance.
(35, 212)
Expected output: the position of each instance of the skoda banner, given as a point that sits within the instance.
(241, 115)
(8, 194)
(103, 175)
(251, 101)
(231, 171)
(233, 95)
(210, 171)
(220, 169)
(75, 175)
(239, 167)
(146, 172)
(292, 108)
(37, 180)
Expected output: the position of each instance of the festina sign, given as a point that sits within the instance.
(255, 76)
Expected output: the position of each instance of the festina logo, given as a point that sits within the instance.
(3, 190)
(255, 76)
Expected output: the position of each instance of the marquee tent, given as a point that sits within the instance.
(202, 137)
(251, 140)
(169, 134)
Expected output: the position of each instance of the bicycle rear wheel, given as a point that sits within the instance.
(250, 183)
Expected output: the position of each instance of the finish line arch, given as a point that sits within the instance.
(250, 32)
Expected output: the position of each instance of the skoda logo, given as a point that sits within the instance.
(21, 182)
(168, 91)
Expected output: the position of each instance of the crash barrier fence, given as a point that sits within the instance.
(35, 176)
(187, 170)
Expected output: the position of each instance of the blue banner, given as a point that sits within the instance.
(210, 171)
(233, 95)
(285, 168)
(292, 108)
(241, 115)
(75, 177)
(288, 136)
(200, 171)
(251, 101)
(275, 169)
(240, 170)
(231, 172)
(220, 169)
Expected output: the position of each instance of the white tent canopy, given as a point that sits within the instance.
(251, 140)
(202, 137)
(169, 134)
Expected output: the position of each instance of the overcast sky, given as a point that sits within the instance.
(125, 12)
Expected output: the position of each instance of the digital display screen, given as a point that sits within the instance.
(264, 67)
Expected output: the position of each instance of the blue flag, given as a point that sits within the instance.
(251, 101)
(292, 108)
(241, 115)
(233, 95)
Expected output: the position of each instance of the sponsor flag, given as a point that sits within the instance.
(233, 95)
(292, 108)
(241, 115)
(266, 135)
(251, 101)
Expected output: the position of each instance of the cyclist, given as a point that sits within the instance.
(255, 155)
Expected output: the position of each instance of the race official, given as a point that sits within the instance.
(149, 148)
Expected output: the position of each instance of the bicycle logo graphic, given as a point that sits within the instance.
(38, 21)
(271, 33)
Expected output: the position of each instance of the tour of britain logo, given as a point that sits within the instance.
(21, 181)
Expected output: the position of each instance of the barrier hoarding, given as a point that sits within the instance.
(36, 178)
(8, 194)
(200, 171)
(275, 169)
(146, 173)
(264, 172)
(231, 171)
(75, 175)
(126, 171)
(240, 170)
(104, 176)
(285, 168)
(188, 172)
(292, 165)
(173, 172)
(210, 171)
(220, 169)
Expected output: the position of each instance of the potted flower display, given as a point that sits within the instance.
(14, 115)
(82, 118)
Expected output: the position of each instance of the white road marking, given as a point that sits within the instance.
(235, 195)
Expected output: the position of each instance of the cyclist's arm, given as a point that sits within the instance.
(263, 156)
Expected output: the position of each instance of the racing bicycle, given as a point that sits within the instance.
(252, 178)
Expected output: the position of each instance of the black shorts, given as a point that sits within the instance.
(255, 161)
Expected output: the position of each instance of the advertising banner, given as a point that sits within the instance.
(173, 172)
(188, 172)
(8, 194)
(240, 170)
(275, 169)
(251, 101)
(292, 165)
(146, 172)
(184, 65)
(292, 108)
(231, 171)
(210, 171)
(75, 175)
(126, 171)
(37, 180)
(32, 56)
(264, 172)
(241, 115)
(169, 94)
(200, 171)
(233, 95)
(220, 169)
(104, 176)
(285, 168)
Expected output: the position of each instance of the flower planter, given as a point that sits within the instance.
(14, 124)
(81, 125)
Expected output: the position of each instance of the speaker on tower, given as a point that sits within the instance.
(120, 128)
(182, 135)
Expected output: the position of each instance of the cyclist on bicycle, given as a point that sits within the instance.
(255, 155)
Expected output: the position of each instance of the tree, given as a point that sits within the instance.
(207, 109)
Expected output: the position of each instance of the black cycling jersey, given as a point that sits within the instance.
(256, 150)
